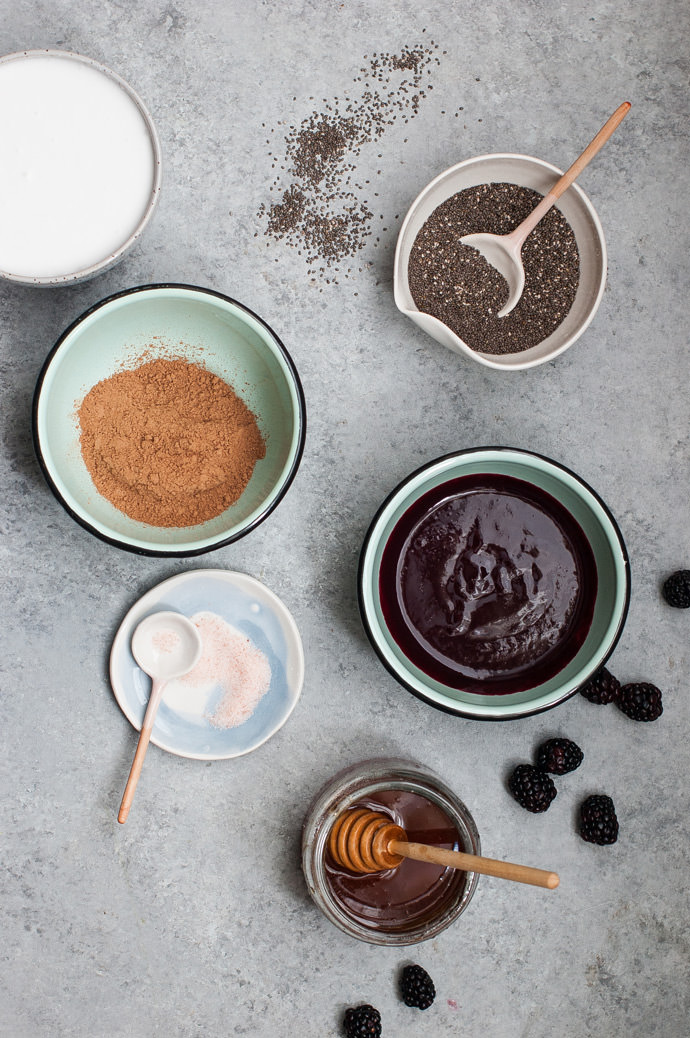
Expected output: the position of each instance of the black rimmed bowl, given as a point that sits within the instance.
(611, 578)
(165, 321)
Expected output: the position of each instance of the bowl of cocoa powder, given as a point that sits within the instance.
(445, 288)
(169, 420)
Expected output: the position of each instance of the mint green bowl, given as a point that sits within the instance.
(613, 580)
(169, 321)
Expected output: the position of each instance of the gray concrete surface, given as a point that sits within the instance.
(194, 919)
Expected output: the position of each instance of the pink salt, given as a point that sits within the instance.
(165, 641)
(232, 661)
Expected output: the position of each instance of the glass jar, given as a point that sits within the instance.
(367, 907)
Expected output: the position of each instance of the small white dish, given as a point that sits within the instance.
(250, 607)
(576, 208)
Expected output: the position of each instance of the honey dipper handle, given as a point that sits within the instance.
(475, 863)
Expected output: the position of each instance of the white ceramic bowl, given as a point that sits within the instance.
(576, 208)
(81, 167)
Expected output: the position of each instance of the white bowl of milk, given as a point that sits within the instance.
(80, 167)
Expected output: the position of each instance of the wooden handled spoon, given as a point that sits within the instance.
(166, 645)
(367, 841)
(503, 251)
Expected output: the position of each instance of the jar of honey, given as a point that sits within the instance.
(414, 901)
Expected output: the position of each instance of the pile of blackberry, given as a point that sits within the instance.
(534, 789)
(417, 991)
(639, 700)
(532, 786)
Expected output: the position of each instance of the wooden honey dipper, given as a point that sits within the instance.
(368, 841)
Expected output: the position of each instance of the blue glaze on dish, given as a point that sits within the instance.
(252, 609)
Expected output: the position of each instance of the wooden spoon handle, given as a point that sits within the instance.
(134, 773)
(563, 183)
(474, 863)
(594, 146)
(142, 747)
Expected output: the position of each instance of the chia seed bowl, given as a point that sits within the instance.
(577, 211)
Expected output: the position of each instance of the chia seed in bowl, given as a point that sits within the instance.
(586, 279)
(453, 283)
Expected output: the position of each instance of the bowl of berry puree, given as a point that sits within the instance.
(493, 583)
(414, 901)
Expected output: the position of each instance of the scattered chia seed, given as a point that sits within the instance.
(323, 211)
(455, 284)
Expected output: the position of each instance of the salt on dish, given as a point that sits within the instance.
(230, 663)
(165, 641)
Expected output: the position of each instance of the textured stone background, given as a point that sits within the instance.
(194, 919)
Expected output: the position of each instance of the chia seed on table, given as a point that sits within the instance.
(324, 210)
(455, 284)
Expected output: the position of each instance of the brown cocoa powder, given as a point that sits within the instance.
(168, 442)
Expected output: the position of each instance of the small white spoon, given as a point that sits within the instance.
(503, 251)
(166, 645)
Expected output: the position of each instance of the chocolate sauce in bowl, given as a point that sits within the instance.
(487, 583)
(415, 891)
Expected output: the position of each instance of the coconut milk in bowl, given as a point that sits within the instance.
(79, 167)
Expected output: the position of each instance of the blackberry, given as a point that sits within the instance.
(559, 756)
(676, 589)
(417, 987)
(640, 701)
(598, 822)
(363, 1022)
(602, 688)
(532, 788)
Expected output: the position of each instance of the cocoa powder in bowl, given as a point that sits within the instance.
(168, 443)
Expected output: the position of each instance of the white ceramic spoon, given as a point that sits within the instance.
(166, 645)
(503, 251)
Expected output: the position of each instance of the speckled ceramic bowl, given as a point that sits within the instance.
(612, 572)
(87, 160)
(576, 208)
(169, 321)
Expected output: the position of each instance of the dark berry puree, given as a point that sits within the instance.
(488, 584)
(415, 891)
